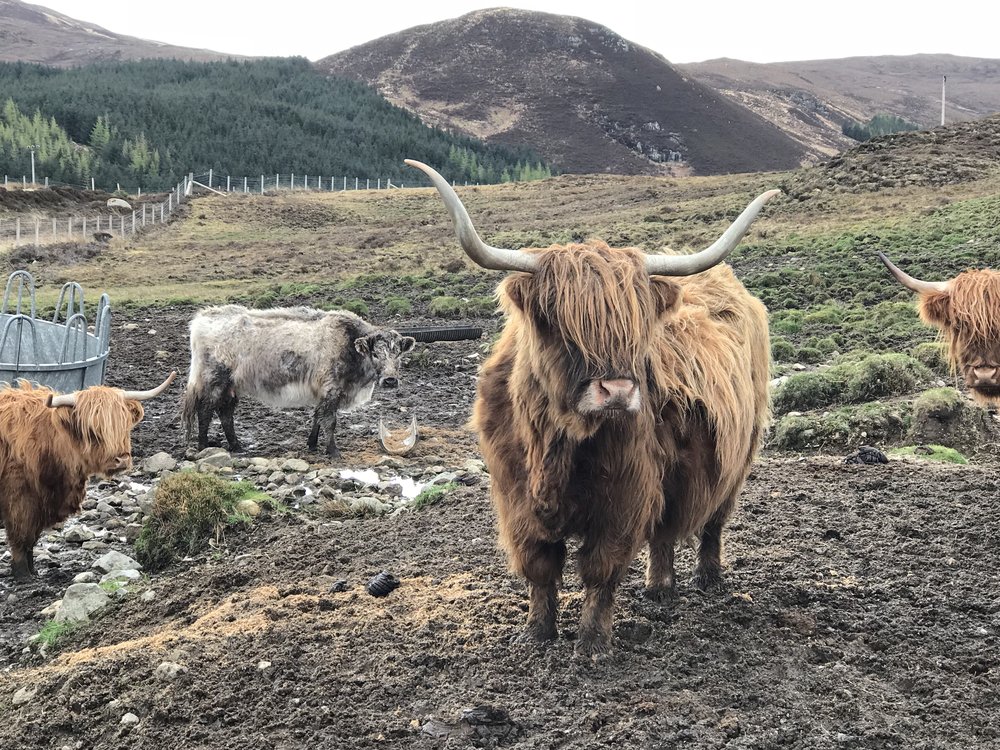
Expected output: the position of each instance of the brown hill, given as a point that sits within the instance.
(946, 155)
(811, 100)
(31, 33)
(577, 93)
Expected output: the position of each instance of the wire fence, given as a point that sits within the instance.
(118, 219)
(121, 220)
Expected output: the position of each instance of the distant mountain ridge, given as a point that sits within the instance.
(812, 99)
(32, 33)
(578, 94)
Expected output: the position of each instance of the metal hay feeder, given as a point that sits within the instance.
(62, 354)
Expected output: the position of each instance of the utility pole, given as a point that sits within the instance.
(944, 80)
(33, 146)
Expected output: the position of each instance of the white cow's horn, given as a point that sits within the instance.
(686, 265)
(494, 258)
(916, 285)
(153, 393)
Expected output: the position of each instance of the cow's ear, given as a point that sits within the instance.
(514, 289)
(666, 293)
(935, 308)
(406, 344)
(363, 345)
(136, 410)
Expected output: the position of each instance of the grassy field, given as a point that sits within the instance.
(810, 258)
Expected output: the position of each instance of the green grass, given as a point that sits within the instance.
(52, 632)
(189, 509)
(843, 428)
(432, 495)
(931, 453)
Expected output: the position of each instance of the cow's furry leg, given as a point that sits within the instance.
(708, 573)
(602, 569)
(22, 562)
(541, 563)
(204, 410)
(227, 408)
(325, 417)
(660, 569)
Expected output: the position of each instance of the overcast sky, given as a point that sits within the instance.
(688, 31)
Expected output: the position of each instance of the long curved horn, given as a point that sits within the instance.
(494, 258)
(153, 393)
(686, 265)
(69, 399)
(916, 285)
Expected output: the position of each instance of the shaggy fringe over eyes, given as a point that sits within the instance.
(102, 412)
(967, 311)
(599, 299)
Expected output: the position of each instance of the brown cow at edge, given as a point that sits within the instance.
(964, 310)
(618, 406)
(49, 446)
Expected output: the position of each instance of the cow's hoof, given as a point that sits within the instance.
(709, 581)
(593, 646)
(659, 594)
(535, 635)
(238, 448)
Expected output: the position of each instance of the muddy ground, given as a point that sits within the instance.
(863, 611)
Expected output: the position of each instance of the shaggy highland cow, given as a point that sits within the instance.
(620, 406)
(962, 309)
(49, 446)
(286, 357)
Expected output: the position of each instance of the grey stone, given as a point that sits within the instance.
(95, 544)
(115, 561)
(121, 575)
(132, 532)
(24, 695)
(80, 601)
(158, 462)
(169, 670)
(130, 718)
(78, 534)
(296, 465)
(86, 576)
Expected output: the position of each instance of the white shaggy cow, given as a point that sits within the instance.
(286, 357)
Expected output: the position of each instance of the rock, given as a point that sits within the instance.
(51, 610)
(158, 462)
(80, 601)
(94, 544)
(474, 466)
(130, 718)
(296, 465)
(122, 575)
(169, 671)
(105, 509)
(115, 561)
(248, 507)
(209, 452)
(444, 477)
(216, 461)
(276, 477)
(87, 576)
(130, 327)
(78, 535)
(147, 596)
(24, 695)
(293, 478)
(262, 665)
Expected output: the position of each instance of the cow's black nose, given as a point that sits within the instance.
(389, 382)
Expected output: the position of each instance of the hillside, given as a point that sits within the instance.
(32, 33)
(812, 99)
(574, 91)
(148, 122)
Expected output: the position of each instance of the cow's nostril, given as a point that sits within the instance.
(389, 382)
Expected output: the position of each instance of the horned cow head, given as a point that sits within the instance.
(591, 311)
(385, 349)
(103, 419)
(964, 310)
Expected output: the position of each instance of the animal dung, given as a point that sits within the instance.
(382, 584)
(867, 455)
(339, 586)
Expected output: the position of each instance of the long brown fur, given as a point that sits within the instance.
(47, 454)
(965, 315)
(698, 349)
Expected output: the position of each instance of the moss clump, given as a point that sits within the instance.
(433, 494)
(189, 509)
(931, 453)
(843, 428)
(933, 355)
(446, 307)
(782, 350)
(398, 306)
(938, 403)
(851, 381)
(357, 306)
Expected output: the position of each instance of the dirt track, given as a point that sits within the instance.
(863, 612)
